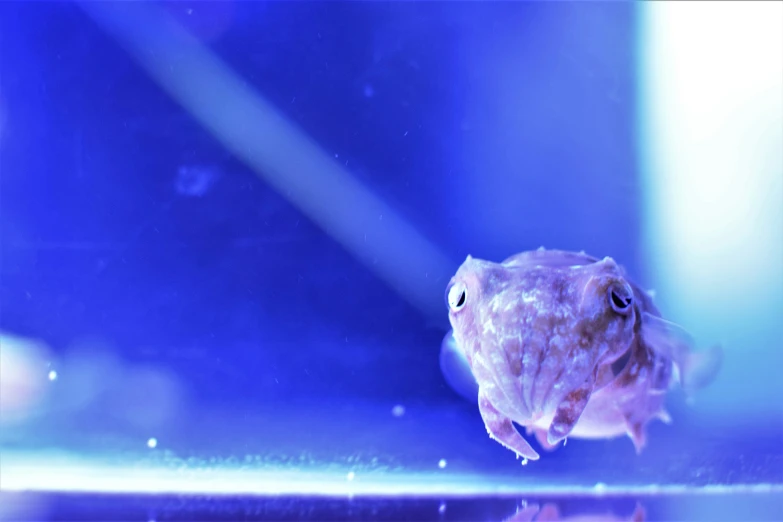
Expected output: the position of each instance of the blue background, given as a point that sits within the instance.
(132, 240)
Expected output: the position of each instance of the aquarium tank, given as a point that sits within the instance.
(402, 260)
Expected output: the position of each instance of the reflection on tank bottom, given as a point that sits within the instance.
(108, 507)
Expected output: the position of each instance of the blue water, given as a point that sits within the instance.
(225, 233)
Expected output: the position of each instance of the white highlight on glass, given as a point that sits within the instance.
(711, 128)
(61, 472)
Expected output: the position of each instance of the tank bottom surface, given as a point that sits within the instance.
(713, 506)
(217, 468)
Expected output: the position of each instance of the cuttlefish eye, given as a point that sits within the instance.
(621, 298)
(456, 295)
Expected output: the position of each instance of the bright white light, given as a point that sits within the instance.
(714, 127)
(350, 476)
(52, 375)
(711, 92)
(442, 463)
(152, 443)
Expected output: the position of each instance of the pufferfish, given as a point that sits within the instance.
(565, 345)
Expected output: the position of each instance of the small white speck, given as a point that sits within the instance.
(599, 487)
(52, 375)
(524, 461)
(442, 463)
(152, 442)
(442, 508)
(398, 410)
(565, 441)
(350, 476)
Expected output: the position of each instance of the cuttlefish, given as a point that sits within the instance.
(565, 345)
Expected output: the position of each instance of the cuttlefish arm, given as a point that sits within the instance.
(456, 370)
(502, 429)
(697, 369)
(569, 411)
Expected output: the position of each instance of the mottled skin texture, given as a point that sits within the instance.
(565, 345)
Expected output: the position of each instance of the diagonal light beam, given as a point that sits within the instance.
(278, 152)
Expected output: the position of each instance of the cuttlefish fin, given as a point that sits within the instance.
(455, 368)
(569, 411)
(636, 420)
(637, 432)
(697, 369)
(502, 429)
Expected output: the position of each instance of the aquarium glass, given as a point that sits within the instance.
(227, 230)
